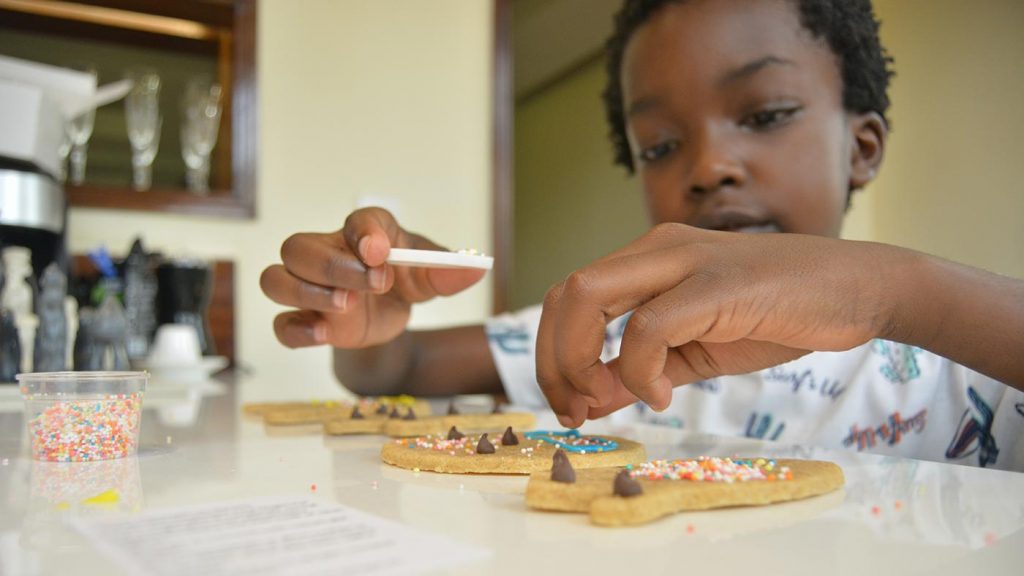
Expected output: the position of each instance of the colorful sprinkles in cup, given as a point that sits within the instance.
(86, 430)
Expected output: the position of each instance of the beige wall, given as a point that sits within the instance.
(950, 184)
(572, 205)
(362, 98)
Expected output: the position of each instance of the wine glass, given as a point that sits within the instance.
(201, 112)
(79, 130)
(63, 150)
(144, 123)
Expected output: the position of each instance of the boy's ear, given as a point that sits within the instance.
(870, 133)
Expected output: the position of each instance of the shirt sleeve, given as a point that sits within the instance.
(512, 338)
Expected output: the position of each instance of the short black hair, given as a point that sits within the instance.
(849, 27)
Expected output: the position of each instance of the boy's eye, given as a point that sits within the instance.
(769, 118)
(658, 151)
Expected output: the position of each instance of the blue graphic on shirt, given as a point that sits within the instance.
(659, 419)
(1020, 408)
(620, 328)
(511, 339)
(711, 386)
(805, 381)
(759, 427)
(900, 361)
(974, 433)
(613, 334)
(891, 431)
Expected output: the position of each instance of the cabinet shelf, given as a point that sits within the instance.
(220, 31)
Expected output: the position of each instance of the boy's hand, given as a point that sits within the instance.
(705, 304)
(346, 295)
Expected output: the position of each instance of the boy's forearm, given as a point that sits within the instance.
(376, 371)
(426, 363)
(973, 317)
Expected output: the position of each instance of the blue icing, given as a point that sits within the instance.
(551, 437)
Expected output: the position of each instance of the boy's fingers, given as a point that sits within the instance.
(677, 372)
(606, 290)
(664, 236)
(300, 328)
(574, 332)
(282, 287)
(674, 318)
(448, 281)
(371, 232)
(620, 397)
(695, 331)
(565, 401)
(322, 259)
(579, 340)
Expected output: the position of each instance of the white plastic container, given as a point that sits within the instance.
(83, 416)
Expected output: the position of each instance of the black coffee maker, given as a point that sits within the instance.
(184, 287)
(33, 213)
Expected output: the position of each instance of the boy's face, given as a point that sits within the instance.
(735, 119)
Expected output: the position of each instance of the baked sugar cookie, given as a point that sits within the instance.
(299, 413)
(258, 409)
(430, 425)
(495, 453)
(372, 423)
(645, 492)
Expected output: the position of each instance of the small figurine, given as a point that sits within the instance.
(140, 288)
(10, 347)
(49, 353)
(102, 335)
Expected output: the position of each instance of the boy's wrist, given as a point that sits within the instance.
(909, 299)
(965, 314)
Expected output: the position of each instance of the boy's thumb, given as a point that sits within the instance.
(448, 281)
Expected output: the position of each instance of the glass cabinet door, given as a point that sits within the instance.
(193, 133)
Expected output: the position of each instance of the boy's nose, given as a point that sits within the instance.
(715, 167)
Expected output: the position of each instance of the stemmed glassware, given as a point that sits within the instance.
(64, 149)
(201, 112)
(79, 130)
(144, 122)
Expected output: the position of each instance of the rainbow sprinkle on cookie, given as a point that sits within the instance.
(710, 469)
(465, 444)
(573, 441)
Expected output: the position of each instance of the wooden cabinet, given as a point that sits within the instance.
(178, 38)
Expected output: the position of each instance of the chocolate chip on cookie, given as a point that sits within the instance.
(561, 469)
(484, 446)
(626, 486)
(509, 438)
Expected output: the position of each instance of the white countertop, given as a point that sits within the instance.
(894, 516)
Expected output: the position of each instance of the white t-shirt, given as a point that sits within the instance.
(881, 397)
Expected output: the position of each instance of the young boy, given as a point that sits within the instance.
(737, 116)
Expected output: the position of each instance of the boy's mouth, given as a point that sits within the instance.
(755, 229)
(737, 222)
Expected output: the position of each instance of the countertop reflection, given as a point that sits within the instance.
(893, 516)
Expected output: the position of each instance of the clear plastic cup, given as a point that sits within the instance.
(83, 416)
